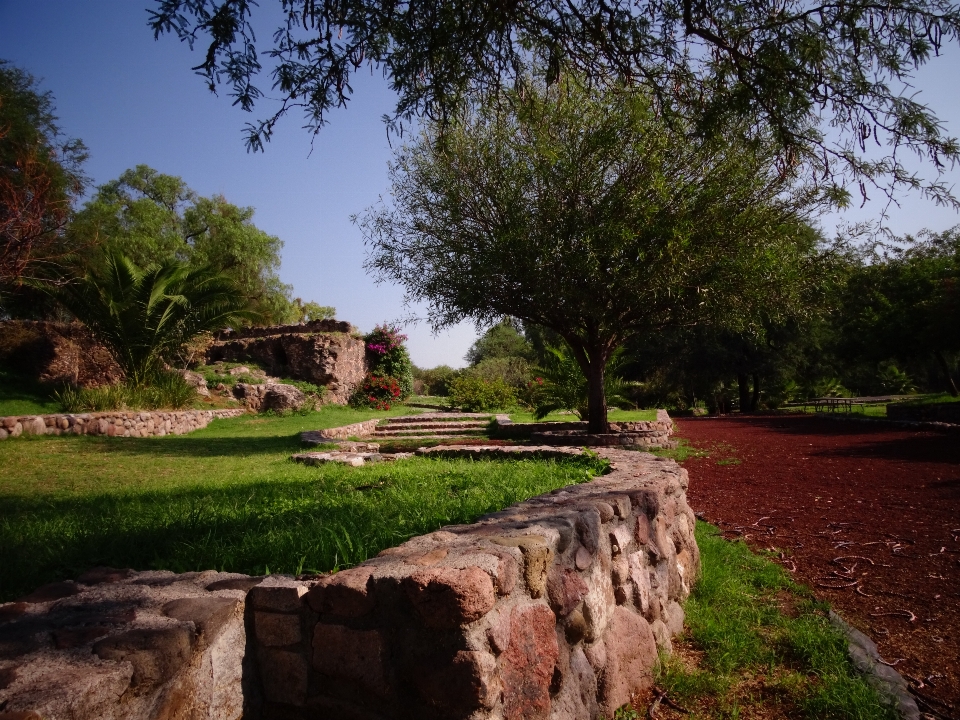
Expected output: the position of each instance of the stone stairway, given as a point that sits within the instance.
(428, 426)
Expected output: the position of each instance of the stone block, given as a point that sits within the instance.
(631, 654)
(565, 590)
(527, 665)
(277, 598)
(348, 593)
(355, 655)
(276, 630)
(155, 653)
(458, 686)
(284, 675)
(537, 557)
(448, 597)
(208, 614)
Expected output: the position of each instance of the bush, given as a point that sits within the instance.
(387, 357)
(435, 381)
(376, 392)
(475, 394)
(166, 391)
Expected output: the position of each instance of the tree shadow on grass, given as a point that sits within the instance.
(202, 446)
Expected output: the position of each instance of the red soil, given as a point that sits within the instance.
(866, 515)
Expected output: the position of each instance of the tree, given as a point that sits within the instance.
(153, 218)
(577, 209)
(40, 178)
(503, 340)
(146, 314)
(786, 65)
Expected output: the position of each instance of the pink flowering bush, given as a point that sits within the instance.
(387, 356)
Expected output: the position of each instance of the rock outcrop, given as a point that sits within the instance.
(57, 353)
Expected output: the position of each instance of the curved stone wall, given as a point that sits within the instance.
(553, 608)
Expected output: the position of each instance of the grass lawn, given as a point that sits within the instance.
(22, 396)
(521, 416)
(228, 497)
(759, 645)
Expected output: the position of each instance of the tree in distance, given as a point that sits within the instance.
(40, 178)
(578, 209)
(146, 314)
(787, 66)
(153, 218)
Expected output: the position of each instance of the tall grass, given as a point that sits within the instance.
(168, 391)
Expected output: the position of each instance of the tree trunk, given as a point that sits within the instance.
(942, 361)
(744, 387)
(597, 405)
(755, 400)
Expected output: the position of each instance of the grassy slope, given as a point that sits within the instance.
(228, 497)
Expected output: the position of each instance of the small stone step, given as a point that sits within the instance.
(440, 417)
(335, 456)
(433, 425)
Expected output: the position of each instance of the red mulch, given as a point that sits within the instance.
(866, 515)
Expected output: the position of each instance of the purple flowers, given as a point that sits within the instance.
(385, 338)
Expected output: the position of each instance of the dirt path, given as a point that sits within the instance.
(867, 516)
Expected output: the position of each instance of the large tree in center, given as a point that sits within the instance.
(577, 209)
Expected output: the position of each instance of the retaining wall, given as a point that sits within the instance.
(146, 423)
(553, 608)
(636, 433)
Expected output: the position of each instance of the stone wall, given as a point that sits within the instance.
(314, 326)
(145, 423)
(935, 412)
(553, 608)
(633, 433)
(57, 353)
(335, 360)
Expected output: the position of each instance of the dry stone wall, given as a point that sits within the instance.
(635, 433)
(152, 423)
(329, 357)
(553, 608)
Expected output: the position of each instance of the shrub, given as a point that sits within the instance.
(475, 394)
(376, 392)
(435, 381)
(388, 357)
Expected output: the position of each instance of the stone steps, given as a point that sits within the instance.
(439, 417)
(437, 432)
(432, 426)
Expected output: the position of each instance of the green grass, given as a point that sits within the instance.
(521, 416)
(22, 396)
(765, 642)
(932, 399)
(228, 497)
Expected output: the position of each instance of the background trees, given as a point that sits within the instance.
(786, 66)
(40, 178)
(153, 218)
(579, 210)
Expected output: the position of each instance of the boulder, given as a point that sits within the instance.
(283, 397)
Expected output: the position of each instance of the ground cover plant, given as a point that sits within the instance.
(758, 644)
(228, 497)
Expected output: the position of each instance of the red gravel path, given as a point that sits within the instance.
(872, 511)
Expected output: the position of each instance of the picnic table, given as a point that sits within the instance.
(846, 404)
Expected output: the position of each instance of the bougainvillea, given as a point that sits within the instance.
(388, 357)
(377, 392)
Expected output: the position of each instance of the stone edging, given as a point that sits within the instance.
(143, 423)
(884, 679)
(555, 607)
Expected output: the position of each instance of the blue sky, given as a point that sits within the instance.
(133, 100)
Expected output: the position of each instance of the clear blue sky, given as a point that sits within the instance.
(133, 100)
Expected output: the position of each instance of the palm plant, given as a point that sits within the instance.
(565, 386)
(144, 315)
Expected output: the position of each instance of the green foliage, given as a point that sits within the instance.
(734, 616)
(840, 64)
(40, 178)
(154, 218)
(472, 393)
(387, 356)
(144, 315)
(309, 311)
(503, 340)
(892, 380)
(228, 497)
(578, 209)
(165, 391)
(435, 381)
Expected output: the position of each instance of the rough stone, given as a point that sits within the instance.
(208, 614)
(565, 589)
(527, 664)
(155, 653)
(355, 655)
(346, 593)
(631, 653)
(449, 597)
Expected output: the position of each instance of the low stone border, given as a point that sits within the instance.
(553, 608)
(509, 451)
(646, 434)
(884, 679)
(319, 437)
(145, 423)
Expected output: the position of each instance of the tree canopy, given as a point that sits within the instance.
(787, 65)
(153, 218)
(577, 209)
(40, 178)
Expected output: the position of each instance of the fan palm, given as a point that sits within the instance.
(565, 386)
(144, 315)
